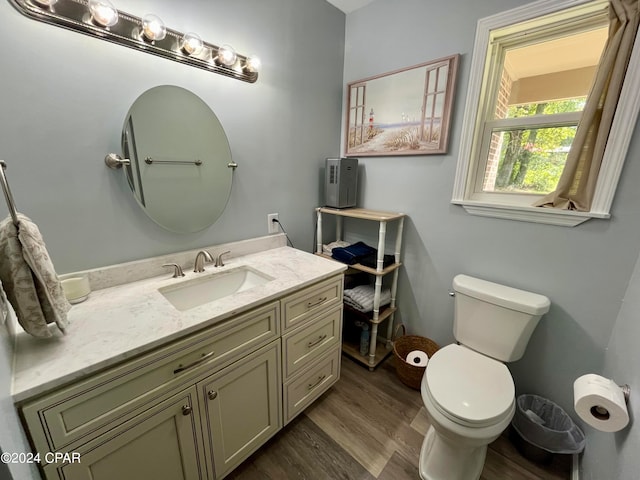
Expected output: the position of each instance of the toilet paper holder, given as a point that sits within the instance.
(626, 391)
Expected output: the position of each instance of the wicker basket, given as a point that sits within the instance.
(411, 375)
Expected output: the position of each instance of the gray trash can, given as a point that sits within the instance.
(544, 429)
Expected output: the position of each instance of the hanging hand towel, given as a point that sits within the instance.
(29, 278)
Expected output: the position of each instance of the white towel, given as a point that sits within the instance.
(361, 297)
(29, 279)
(326, 249)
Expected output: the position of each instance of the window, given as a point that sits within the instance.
(531, 73)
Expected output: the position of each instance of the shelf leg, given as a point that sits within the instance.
(381, 235)
(373, 341)
(394, 284)
(399, 239)
(338, 227)
(391, 321)
(319, 231)
(392, 304)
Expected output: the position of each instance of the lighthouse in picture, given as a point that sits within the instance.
(371, 121)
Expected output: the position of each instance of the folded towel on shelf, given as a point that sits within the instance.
(328, 248)
(371, 261)
(29, 278)
(361, 297)
(353, 253)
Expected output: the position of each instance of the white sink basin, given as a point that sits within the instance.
(196, 292)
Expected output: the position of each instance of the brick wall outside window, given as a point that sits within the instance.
(496, 142)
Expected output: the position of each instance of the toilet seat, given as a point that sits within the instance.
(469, 388)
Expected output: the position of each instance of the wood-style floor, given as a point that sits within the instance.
(370, 426)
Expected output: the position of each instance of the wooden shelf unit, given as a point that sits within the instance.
(377, 353)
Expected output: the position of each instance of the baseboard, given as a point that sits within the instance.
(575, 467)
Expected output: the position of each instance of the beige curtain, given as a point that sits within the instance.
(577, 183)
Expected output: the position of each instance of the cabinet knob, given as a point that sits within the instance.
(186, 410)
(212, 394)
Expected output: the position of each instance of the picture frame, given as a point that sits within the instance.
(403, 112)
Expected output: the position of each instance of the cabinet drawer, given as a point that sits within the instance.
(307, 344)
(93, 406)
(301, 306)
(310, 384)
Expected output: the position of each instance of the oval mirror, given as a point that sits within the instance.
(179, 166)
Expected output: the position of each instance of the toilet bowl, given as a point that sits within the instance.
(467, 390)
(470, 400)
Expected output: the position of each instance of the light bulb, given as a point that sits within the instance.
(226, 55)
(191, 43)
(103, 12)
(46, 3)
(252, 64)
(153, 28)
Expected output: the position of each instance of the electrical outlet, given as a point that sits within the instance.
(272, 227)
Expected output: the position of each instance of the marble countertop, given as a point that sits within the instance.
(122, 321)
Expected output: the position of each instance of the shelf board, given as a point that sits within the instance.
(353, 351)
(385, 312)
(362, 268)
(363, 213)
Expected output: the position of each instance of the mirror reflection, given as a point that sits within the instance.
(180, 160)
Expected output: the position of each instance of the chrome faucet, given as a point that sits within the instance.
(219, 262)
(177, 269)
(201, 258)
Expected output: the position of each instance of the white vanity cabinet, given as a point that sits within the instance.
(199, 406)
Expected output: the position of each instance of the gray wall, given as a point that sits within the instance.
(583, 270)
(615, 455)
(64, 97)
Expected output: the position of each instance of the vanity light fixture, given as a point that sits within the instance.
(153, 28)
(191, 44)
(46, 3)
(103, 12)
(100, 19)
(226, 56)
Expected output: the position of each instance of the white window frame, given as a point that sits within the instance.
(518, 207)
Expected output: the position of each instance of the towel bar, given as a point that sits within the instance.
(7, 194)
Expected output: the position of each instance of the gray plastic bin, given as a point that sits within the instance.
(546, 427)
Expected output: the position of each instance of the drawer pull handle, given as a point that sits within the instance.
(186, 410)
(182, 368)
(316, 303)
(316, 342)
(212, 394)
(311, 386)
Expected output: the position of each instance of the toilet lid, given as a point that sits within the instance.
(468, 385)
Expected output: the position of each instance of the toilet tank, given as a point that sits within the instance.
(494, 319)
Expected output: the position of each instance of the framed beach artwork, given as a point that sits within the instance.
(404, 112)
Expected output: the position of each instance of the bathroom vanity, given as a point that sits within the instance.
(142, 390)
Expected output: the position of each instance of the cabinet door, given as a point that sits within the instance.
(164, 443)
(241, 408)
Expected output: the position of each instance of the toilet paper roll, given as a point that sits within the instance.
(417, 358)
(600, 402)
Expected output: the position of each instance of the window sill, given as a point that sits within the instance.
(548, 216)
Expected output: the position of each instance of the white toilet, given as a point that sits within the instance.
(467, 390)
